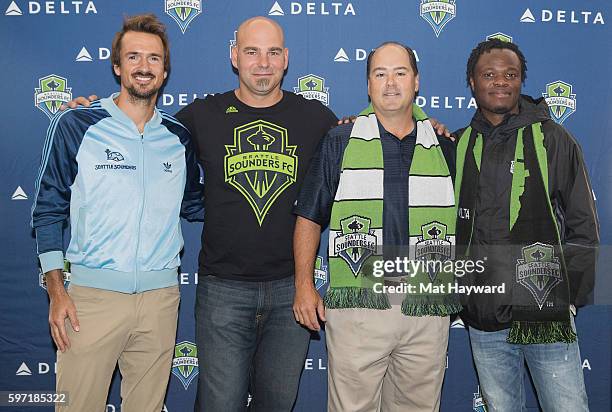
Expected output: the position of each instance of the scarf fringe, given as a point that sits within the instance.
(355, 297)
(525, 333)
(430, 307)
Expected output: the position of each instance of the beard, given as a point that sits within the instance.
(262, 83)
(137, 95)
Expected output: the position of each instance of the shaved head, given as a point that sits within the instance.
(256, 24)
(261, 58)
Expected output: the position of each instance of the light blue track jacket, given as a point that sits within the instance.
(123, 191)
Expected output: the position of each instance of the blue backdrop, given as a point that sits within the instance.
(52, 50)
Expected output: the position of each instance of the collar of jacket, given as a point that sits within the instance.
(530, 111)
(108, 103)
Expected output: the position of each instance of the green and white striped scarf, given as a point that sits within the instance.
(356, 224)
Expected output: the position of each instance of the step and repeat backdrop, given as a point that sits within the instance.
(55, 50)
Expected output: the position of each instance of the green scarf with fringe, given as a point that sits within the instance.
(539, 284)
(356, 224)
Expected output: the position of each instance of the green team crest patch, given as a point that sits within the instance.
(53, 90)
(539, 271)
(260, 164)
(355, 242)
(320, 273)
(433, 245)
(560, 100)
(185, 362)
(313, 87)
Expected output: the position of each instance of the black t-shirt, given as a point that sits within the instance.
(254, 160)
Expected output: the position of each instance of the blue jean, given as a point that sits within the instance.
(555, 368)
(248, 342)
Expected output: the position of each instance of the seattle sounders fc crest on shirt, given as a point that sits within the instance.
(260, 164)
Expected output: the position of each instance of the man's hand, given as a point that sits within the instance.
(60, 308)
(79, 101)
(347, 119)
(307, 304)
(441, 129)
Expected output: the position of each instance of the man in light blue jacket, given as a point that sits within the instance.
(123, 172)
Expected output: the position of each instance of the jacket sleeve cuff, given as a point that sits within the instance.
(51, 260)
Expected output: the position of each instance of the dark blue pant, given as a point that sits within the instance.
(248, 342)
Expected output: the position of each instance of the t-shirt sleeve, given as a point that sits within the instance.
(330, 118)
(185, 116)
(318, 190)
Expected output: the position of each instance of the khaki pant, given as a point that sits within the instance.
(382, 360)
(137, 331)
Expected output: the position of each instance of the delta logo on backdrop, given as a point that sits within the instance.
(312, 87)
(19, 194)
(183, 11)
(457, 324)
(358, 54)
(430, 102)
(560, 100)
(85, 56)
(325, 8)
(185, 363)
(563, 16)
(438, 13)
(50, 7)
(51, 92)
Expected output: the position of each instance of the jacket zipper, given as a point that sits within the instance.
(142, 176)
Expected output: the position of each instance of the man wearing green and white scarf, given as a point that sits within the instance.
(525, 203)
(384, 186)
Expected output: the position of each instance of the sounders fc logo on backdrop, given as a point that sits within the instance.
(312, 87)
(560, 100)
(232, 43)
(183, 11)
(53, 90)
(320, 273)
(438, 13)
(185, 363)
(478, 402)
(500, 36)
(42, 282)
